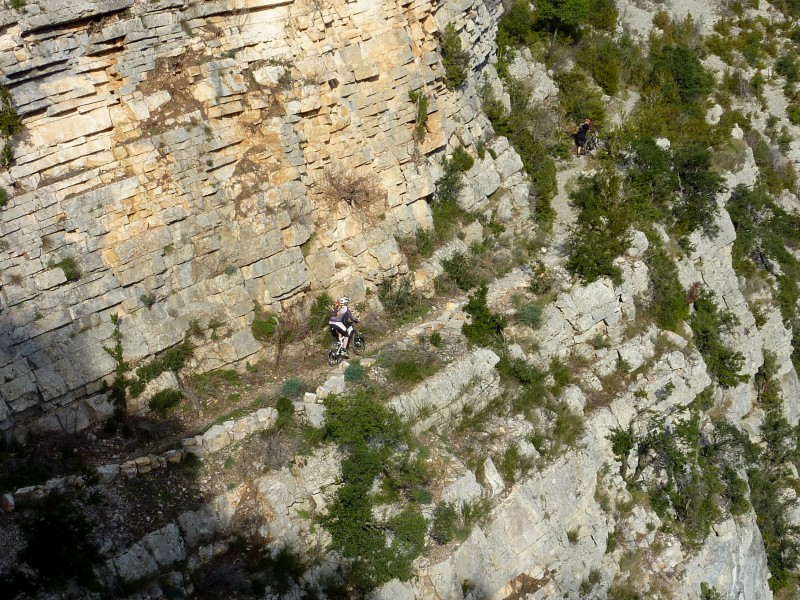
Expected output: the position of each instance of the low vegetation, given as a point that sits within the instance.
(342, 184)
(376, 444)
(454, 59)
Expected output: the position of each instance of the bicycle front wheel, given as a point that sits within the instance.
(333, 356)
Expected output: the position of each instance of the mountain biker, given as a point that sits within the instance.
(580, 136)
(341, 323)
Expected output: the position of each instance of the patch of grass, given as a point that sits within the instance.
(163, 401)
(293, 388)
(401, 301)
(354, 372)
(264, 325)
(436, 339)
(285, 413)
(70, 267)
(408, 369)
(531, 315)
(513, 464)
(210, 381)
(572, 535)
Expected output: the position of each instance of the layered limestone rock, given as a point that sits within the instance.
(173, 170)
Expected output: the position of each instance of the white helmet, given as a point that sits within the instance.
(344, 300)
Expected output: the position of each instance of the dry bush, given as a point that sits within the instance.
(340, 184)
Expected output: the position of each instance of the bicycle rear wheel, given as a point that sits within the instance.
(359, 343)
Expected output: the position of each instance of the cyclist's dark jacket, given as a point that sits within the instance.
(583, 130)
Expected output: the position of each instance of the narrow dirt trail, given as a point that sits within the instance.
(566, 213)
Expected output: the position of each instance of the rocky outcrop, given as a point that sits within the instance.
(470, 381)
(173, 166)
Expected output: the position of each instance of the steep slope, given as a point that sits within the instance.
(214, 163)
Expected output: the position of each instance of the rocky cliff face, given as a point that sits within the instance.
(175, 168)
(177, 155)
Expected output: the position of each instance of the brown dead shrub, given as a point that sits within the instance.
(340, 184)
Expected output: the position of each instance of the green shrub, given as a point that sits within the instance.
(531, 315)
(668, 302)
(602, 60)
(788, 67)
(766, 477)
(320, 312)
(793, 112)
(163, 401)
(516, 25)
(603, 15)
(622, 442)
(651, 183)
(70, 267)
(578, 98)
(400, 300)
(486, 328)
(6, 154)
(462, 271)
(10, 121)
(148, 300)
(709, 593)
(420, 100)
(518, 126)
(172, 359)
(696, 207)
(285, 409)
(602, 232)
(378, 550)
(425, 242)
(293, 388)
(436, 339)
(263, 326)
(560, 14)
(3, 197)
(445, 519)
(462, 161)
(354, 372)
(454, 59)
(708, 323)
(681, 65)
(445, 211)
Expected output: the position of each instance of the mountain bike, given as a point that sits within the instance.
(335, 353)
(593, 142)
